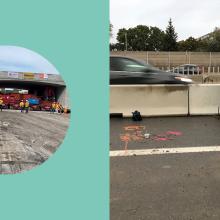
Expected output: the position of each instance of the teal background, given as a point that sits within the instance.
(74, 183)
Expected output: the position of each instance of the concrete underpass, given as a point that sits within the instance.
(37, 85)
(39, 89)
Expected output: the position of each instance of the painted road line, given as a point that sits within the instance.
(121, 153)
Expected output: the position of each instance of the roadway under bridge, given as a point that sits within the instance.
(36, 83)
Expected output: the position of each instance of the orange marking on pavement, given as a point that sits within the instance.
(136, 137)
(177, 133)
(125, 137)
(133, 127)
(126, 146)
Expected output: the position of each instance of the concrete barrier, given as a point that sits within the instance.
(150, 100)
(204, 99)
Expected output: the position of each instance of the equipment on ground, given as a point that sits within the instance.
(136, 116)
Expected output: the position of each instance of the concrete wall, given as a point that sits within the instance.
(150, 100)
(204, 99)
(164, 100)
(53, 79)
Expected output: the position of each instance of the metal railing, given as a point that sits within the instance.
(192, 71)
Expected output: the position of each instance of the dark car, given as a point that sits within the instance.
(124, 70)
(188, 69)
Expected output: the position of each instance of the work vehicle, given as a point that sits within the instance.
(11, 101)
(125, 70)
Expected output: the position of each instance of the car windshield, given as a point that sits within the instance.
(130, 65)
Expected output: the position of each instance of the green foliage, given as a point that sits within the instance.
(121, 37)
(156, 39)
(214, 42)
(141, 38)
(147, 38)
(110, 29)
(202, 45)
(117, 46)
(190, 44)
(170, 40)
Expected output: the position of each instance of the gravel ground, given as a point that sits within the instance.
(27, 140)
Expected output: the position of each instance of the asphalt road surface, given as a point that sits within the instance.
(27, 140)
(165, 186)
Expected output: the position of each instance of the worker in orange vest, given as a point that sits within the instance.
(53, 107)
(59, 108)
(21, 104)
(1, 104)
(26, 105)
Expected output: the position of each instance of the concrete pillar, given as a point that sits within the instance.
(62, 97)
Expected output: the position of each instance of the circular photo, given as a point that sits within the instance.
(34, 109)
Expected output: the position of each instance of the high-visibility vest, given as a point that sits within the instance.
(26, 104)
(54, 105)
(1, 101)
(57, 106)
(21, 104)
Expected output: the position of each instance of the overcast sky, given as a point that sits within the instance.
(190, 17)
(19, 59)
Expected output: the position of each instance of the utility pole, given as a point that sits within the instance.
(210, 59)
(126, 41)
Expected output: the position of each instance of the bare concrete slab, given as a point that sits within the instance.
(27, 140)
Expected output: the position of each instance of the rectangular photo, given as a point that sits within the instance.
(164, 110)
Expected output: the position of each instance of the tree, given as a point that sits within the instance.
(156, 39)
(214, 42)
(190, 44)
(170, 39)
(110, 30)
(116, 46)
(141, 38)
(138, 37)
(121, 37)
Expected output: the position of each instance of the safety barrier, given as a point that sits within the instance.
(204, 99)
(165, 100)
(150, 100)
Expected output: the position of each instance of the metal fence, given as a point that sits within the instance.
(210, 61)
(192, 71)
